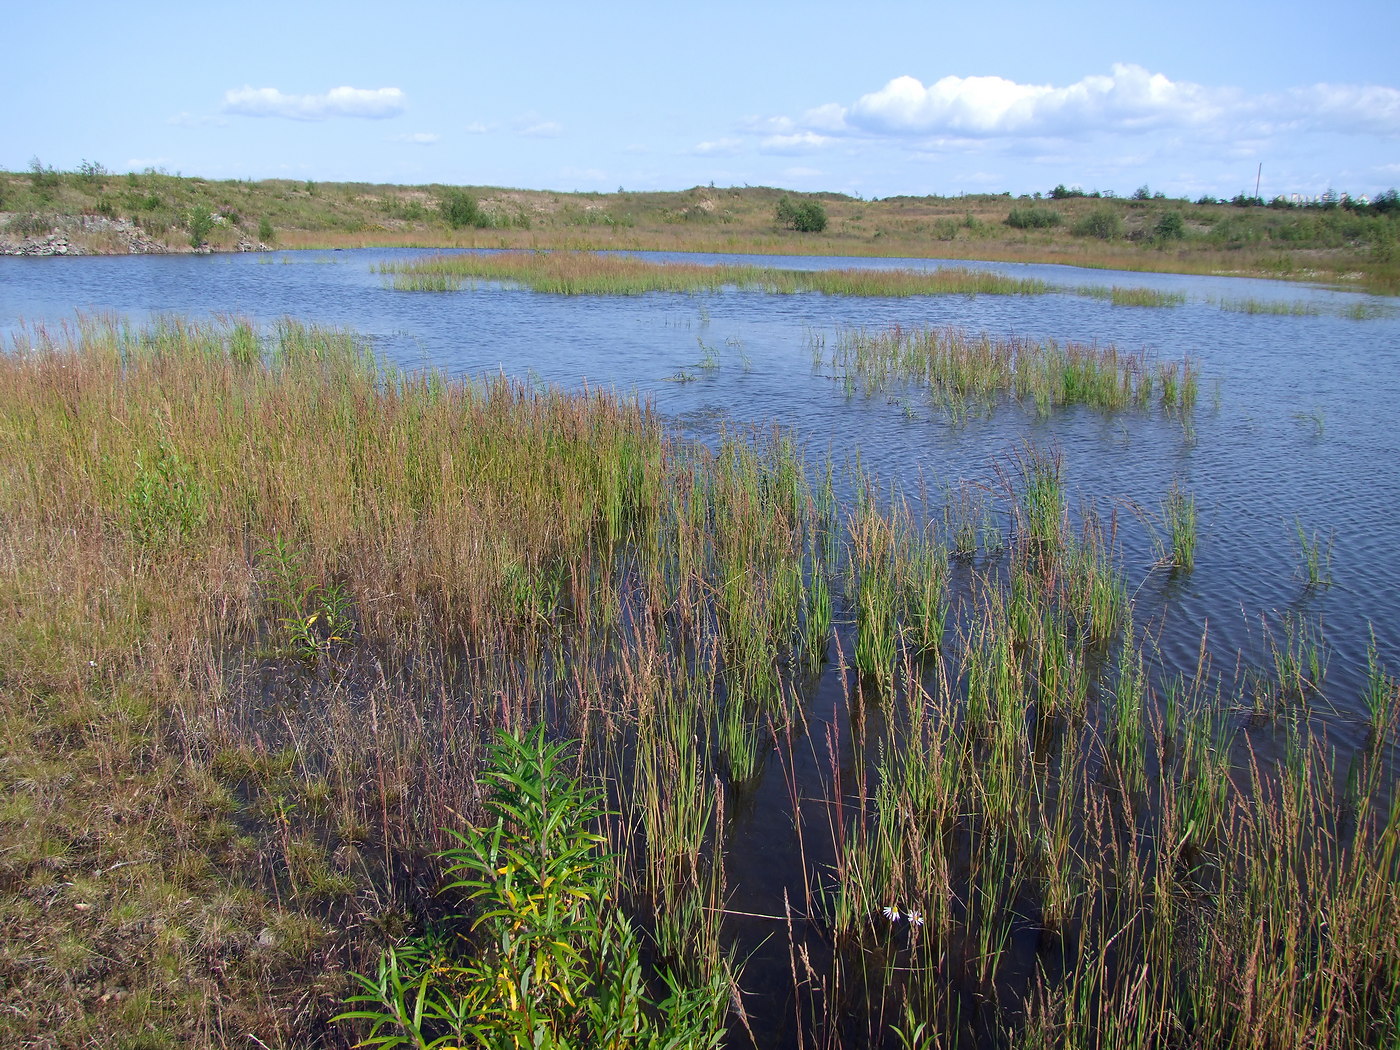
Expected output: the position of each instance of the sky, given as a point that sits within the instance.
(867, 98)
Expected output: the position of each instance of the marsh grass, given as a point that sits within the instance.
(1119, 296)
(594, 273)
(966, 374)
(1282, 307)
(269, 606)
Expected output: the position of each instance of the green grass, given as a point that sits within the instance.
(1132, 296)
(964, 373)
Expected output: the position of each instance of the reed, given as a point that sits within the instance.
(966, 374)
(1283, 307)
(597, 273)
(1179, 516)
(1132, 296)
(282, 623)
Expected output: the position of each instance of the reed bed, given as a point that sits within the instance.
(963, 373)
(1132, 296)
(1283, 307)
(597, 273)
(298, 640)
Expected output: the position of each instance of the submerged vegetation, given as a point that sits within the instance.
(319, 669)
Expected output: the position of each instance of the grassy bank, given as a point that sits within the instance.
(269, 605)
(1321, 244)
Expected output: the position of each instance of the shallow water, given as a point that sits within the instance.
(1294, 427)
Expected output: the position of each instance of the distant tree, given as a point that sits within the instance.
(805, 217)
(1142, 193)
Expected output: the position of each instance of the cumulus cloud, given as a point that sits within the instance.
(374, 104)
(1128, 99)
(418, 138)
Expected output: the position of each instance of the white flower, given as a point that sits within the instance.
(892, 913)
(915, 919)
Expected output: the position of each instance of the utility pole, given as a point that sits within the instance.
(1258, 175)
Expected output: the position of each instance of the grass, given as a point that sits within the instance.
(316, 668)
(1132, 296)
(1284, 307)
(591, 273)
(968, 374)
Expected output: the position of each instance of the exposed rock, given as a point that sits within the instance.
(95, 235)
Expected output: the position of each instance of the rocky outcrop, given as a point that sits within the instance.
(92, 235)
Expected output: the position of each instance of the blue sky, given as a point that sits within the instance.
(871, 98)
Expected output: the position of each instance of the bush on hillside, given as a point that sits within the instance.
(805, 217)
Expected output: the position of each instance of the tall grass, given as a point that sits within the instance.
(593, 273)
(269, 606)
(965, 373)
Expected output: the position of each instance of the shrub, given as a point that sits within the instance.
(44, 179)
(1171, 227)
(266, 233)
(459, 209)
(1060, 193)
(805, 217)
(1103, 223)
(1033, 218)
(201, 222)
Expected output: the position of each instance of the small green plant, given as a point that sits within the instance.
(559, 964)
(1316, 565)
(166, 502)
(266, 233)
(804, 217)
(311, 617)
(1179, 514)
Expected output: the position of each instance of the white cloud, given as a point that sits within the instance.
(1128, 99)
(801, 142)
(543, 129)
(1349, 108)
(418, 138)
(719, 147)
(478, 128)
(374, 104)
